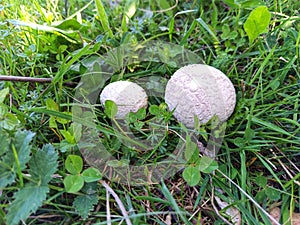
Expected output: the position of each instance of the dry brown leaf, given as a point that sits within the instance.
(232, 212)
(275, 212)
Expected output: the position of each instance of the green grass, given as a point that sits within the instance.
(258, 163)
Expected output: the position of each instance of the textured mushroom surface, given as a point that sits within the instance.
(128, 96)
(200, 90)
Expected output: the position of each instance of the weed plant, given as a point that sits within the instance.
(45, 179)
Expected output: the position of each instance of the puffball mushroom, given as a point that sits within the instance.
(202, 91)
(128, 96)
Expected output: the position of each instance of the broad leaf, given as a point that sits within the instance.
(68, 136)
(44, 164)
(273, 194)
(22, 140)
(191, 175)
(207, 164)
(26, 201)
(84, 204)
(190, 148)
(111, 108)
(91, 175)
(257, 22)
(6, 176)
(74, 164)
(73, 183)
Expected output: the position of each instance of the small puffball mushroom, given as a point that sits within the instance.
(200, 90)
(128, 96)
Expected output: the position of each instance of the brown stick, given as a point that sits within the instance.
(30, 79)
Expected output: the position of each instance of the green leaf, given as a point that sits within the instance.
(208, 29)
(45, 28)
(84, 204)
(207, 164)
(273, 194)
(91, 175)
(8, 165)
(164, 5)
(77, 131)
(249, 134)
(141, 114)
(238, 141)
(257, 22)
(74, 164)
(62, 119)
(43, 164)
(130, 9)
(261, 181)
(103, 17)
(6, 176)
(252, 3)
(22, 140)
(68, 136)
(73, 183)
(26, 201)
(51, 105)
(191, 175)
(190, 148)
(4, 142)
(111, 109)
(3, 94)
(154, 110)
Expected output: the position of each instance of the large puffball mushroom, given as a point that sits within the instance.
(128, 96)
(202, 91)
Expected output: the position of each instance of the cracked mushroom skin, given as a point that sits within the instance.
(128, 96)
(202, 91)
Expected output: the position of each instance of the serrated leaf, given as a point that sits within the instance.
(26, 201)
(74, 164)
(91, 175)
(257, 22)
(83, 204)
(207, 164)
(3, 94)
(111, 109)
(10, 121)
(6, 177)
(73, 183)
(44, 164)
(191, 175)
(22, 140)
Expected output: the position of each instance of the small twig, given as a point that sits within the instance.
(214, 206)
(118, 200)
(108, 217)
(30, 79)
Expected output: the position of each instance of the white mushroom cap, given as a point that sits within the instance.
(128, 96)
(202, 91)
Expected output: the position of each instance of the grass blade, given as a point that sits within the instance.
(103, 18)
